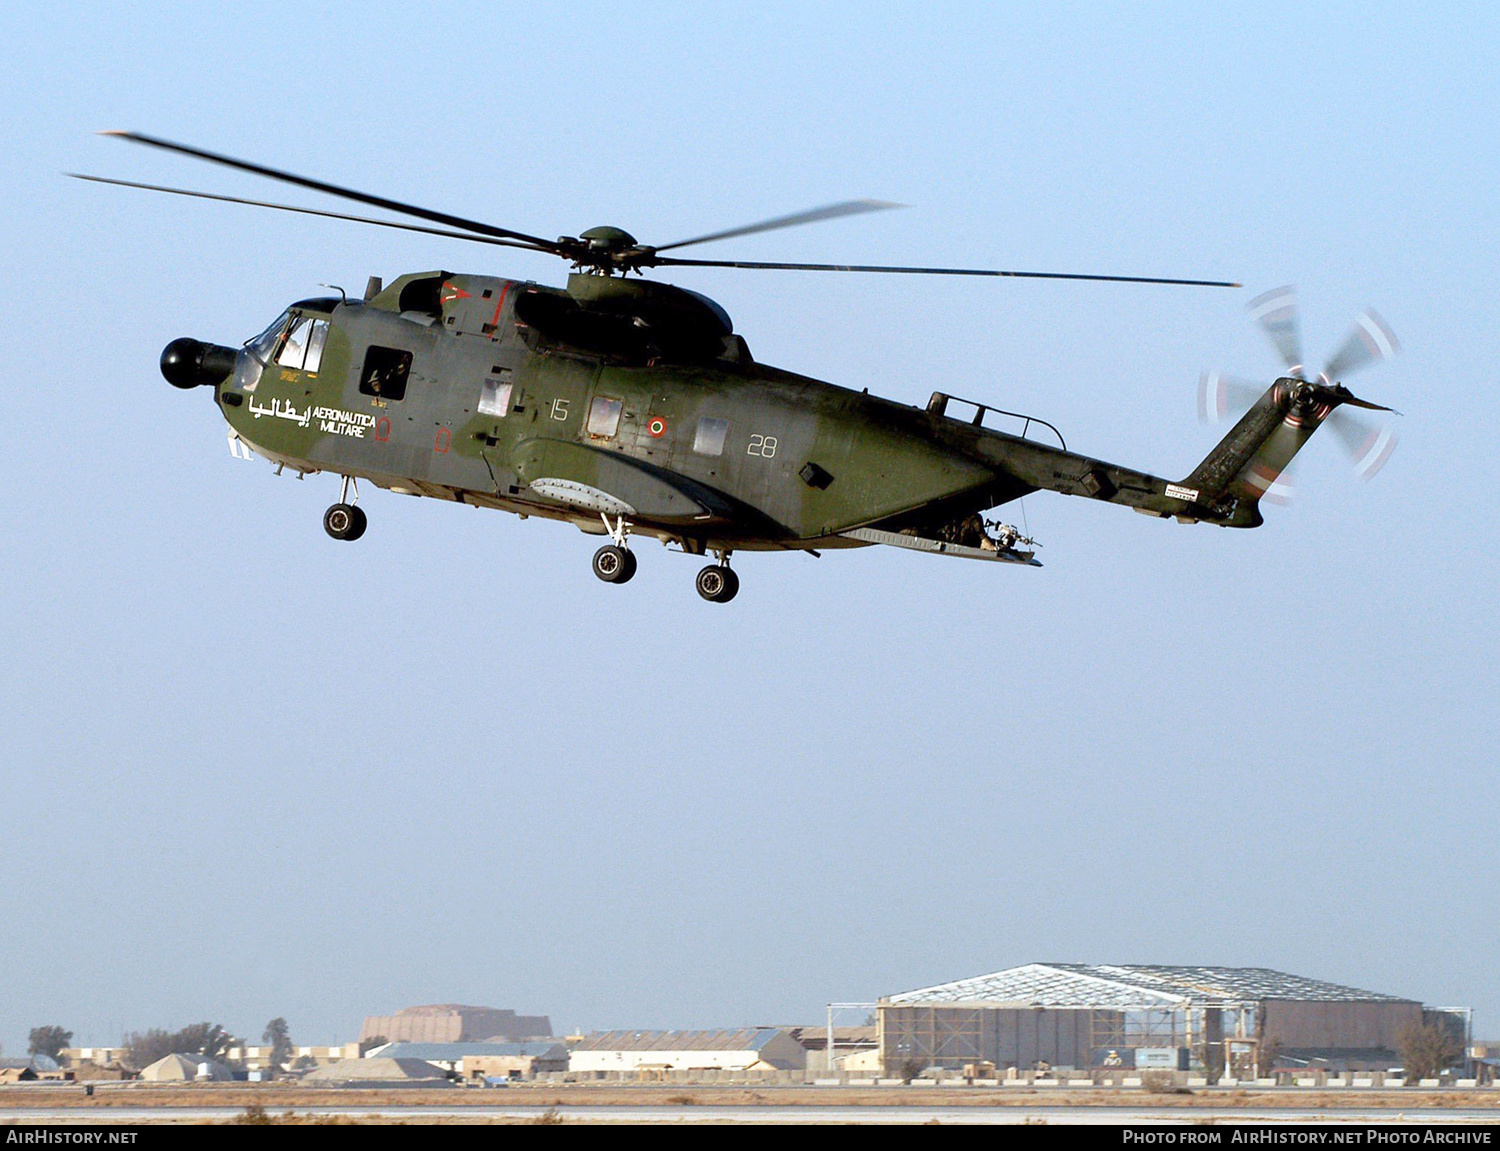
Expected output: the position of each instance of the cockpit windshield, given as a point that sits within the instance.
(263, 346)
(295, 341)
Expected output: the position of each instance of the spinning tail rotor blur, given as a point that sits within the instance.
(1369, 341)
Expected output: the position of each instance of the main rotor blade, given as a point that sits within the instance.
(1372, 339)
(1276, 313)
(346, 193)
(313, 212)
(1368, 446)
(680, 263)
(812, 216)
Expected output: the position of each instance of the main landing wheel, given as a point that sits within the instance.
(345, 522)
(614, 564)
(718, 584)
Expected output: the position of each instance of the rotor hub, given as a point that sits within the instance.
(606, 250)
(1305, 397)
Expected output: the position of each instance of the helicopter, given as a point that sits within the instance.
(631, 408)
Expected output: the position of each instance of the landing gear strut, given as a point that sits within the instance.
(345, 521)
(615, 563)
(717, 583)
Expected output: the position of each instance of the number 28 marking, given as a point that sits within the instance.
(764, 446)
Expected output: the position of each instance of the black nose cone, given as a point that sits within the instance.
(189, 363)
(180, 361)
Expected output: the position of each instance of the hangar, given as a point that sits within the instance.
(734, 1049)
(454, 1023)
(1083, 1016)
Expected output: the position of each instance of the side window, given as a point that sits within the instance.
(295, 348)
(709, 440)
(385, 372)
(315, 346)
(302, 350)
(494, 397)
(604, 417)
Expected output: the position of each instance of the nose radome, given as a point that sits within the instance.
(190, 363)
(179, 362)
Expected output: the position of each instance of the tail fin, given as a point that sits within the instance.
(1246, 465)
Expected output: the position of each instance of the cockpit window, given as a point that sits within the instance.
(263, 346)
(294, 349)
(302, 350)
(315, 346)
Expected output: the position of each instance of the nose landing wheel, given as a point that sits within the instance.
(717, 583)
(345, 522)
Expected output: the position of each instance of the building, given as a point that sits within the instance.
(454, 1023)
(30, 1068)
(258, 1058)
(101, 1056)
(378, 1072)
(1484, 1054)
(856, 1049)
(1082, 1016)
(33, 1068)
(484, 1060)
(740, 1049)
(189, 1068)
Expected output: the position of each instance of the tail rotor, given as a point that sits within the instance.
(1370, 341)
(1278, 314)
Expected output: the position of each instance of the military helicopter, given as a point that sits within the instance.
(632, 408)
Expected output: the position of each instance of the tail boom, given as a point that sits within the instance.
(1225, 489)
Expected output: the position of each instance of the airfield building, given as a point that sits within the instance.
(1083, 1016)
(454, 1023)
(484, 1060)
(736, 1049)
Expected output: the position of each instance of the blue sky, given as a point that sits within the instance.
(250, 772)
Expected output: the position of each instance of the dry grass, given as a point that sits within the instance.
(258, 1099)
(256, 1115)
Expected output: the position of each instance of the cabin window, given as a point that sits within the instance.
(709, 440)
(302, 350)
(385, 372)
(604, 417)
(494, 397)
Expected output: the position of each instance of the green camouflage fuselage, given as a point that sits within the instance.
(626, 398)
